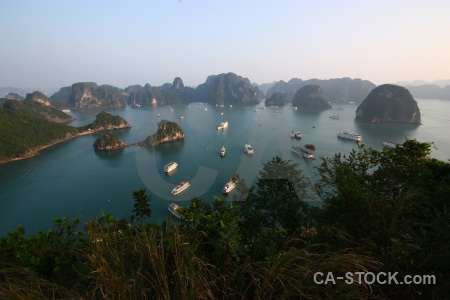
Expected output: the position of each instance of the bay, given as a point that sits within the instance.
(70, 179)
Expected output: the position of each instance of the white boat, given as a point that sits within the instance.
(66, 110)
(221, 105)
(180, 116)
(293, 134)
(206, 108)
(335, 117)
(181, 187)
(391, 144)
(279, 111)
(173, 207)
(221, 114)
(294, 107)
(231, 105)
(256, 110)
(222, 151)
(170, 167)
(297, 135)
(349, 136)
(229, 186)
(248, 149)
(302, 152)
(222, 125)
(159, 115)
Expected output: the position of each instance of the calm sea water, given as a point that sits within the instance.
(70, 179)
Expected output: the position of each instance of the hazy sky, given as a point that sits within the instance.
(50, 44)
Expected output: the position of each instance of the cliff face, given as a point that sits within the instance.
(108, 142)
(310, 97)
(89, 95)
(14, 96)
(228, 89)
(167, 94)
(338, 90)
(38, 97)
(167, 132)
(388, 104)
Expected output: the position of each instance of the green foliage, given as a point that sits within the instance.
(108, 142)
(166, 129)
(36, 109)
(382, 211)
(141, 205)
(20, 133)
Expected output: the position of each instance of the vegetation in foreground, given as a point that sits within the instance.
(382, 212)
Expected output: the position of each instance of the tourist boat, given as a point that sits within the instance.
(221, 114)
(391, 144)
(222, 151)
(229, 186)
(297, 135)
(350, 136)
(335, 117)
(66, 110)
(173, 207)
(181, 187)
(310, 146)
(206, 108)
(293, 134)
(248, 149)
(256, 110)
(302, 152)
(180, 116)
(170, 167)
(222, 125)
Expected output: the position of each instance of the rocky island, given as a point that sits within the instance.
(310, 97)
(108, 142)
(106, 121)
(388, 103)
(277, 99)
(167, 132)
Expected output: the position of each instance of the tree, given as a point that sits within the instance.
(280, 194)
(141, 205)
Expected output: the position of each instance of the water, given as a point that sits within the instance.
(70, 179)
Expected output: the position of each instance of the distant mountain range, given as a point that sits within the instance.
(220, 89)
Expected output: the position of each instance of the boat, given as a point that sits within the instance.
(173, 207)
(391, 144)
(279, 111)
(310, 146)
(297, 135)
(159, 115)
(231, 106)
(66, 110)
(180, 116)
(293, 134)
(170, 167)
(256, 110)
(206, 108)
(335, 117)
(229, 186)
(302, 152)
(222, 125)
(181, 187)
(221, 105)
(222, 151)
(248, 149)
(221, 114)
(349, 136)
(294, 107)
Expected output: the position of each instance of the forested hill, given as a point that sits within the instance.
(21, 133)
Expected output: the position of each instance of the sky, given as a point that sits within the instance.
(50, 44)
